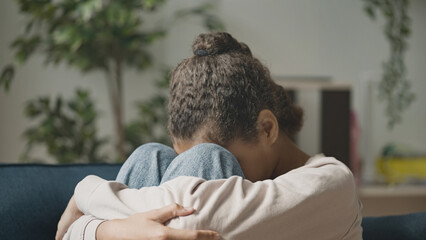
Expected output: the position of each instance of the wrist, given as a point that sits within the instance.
(101, 231)
(107, 230)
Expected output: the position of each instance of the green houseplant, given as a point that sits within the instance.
(96, 35)
(67, 128)
(394, 86)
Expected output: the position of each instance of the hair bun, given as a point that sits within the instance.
(207, 44)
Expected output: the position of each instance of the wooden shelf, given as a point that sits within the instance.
(393, 191)
(311, 83)
(381, 200)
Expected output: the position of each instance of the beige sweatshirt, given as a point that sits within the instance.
(316, 201)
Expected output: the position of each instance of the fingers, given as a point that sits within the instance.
(177, 234)
(142, 225)
(171, 211)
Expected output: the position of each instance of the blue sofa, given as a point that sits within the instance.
(33, 197)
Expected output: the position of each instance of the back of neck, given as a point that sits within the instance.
(290, 156)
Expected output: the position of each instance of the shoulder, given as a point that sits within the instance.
(326, 181)
(328, 186)
(326, 171)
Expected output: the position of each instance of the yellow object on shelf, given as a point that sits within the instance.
(400, 170)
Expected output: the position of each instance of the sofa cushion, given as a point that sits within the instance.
(33, 196)
(407, 227)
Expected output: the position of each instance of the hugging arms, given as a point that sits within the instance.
(230, 123)
(317, 199)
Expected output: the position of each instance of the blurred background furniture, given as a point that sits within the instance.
(382, 200)
(327, 110)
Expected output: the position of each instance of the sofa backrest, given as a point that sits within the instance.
(33, 196)
(406, 227)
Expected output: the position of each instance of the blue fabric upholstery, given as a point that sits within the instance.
(33, 196)
(404, 227)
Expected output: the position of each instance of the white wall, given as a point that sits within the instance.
(293, 37)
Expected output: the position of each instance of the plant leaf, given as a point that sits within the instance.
(6, 76)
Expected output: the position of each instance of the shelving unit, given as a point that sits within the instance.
(379, 200)
(324, 130)
(328, 132)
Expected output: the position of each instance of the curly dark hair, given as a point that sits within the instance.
(220, 91)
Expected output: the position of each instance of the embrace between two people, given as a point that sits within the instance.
(233, 165)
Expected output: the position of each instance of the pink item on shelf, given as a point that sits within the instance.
(354, 157)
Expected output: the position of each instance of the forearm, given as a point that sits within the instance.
(83, 228)
(108, 230)
(141, 226)
(112, 200)
(102, 200)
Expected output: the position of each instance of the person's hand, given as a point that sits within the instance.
(150, 226)
(70, 214)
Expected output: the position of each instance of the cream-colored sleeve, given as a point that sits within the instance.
(83, 228)
(316, 201)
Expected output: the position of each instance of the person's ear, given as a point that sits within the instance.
(268, 125)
